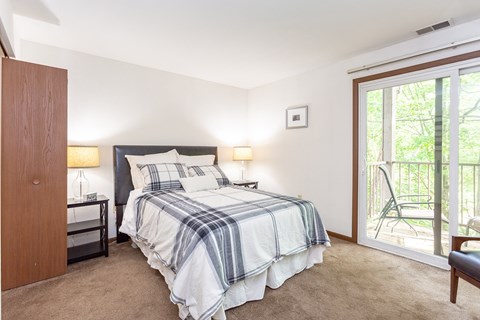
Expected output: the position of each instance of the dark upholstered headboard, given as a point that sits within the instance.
(123, 180)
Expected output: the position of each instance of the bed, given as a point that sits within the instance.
(218, 248)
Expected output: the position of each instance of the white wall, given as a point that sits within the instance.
(6, 25)
(316, 162)
(111, 102)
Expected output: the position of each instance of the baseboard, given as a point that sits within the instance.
(341, 236)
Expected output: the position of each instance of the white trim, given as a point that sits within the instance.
(451, 45)
(5, 42)
(430, 259)
(362, 178)
(454, 152)
(468, 70)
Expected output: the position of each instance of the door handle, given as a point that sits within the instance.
(364, 167)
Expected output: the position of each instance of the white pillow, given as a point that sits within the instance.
(204, 160)
(199, 183)
(137, 177)
(214, 170)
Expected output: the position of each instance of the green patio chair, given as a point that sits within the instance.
(399, 210)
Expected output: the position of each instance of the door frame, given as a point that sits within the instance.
(355, 119)
(404, 79)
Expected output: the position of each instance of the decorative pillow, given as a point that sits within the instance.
(162, 176)
(204, 160)
(199, 183)
(210, 170)
(137, 178)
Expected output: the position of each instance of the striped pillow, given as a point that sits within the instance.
(210, 170)
(162, 176)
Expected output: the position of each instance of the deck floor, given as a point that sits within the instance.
(402, 235)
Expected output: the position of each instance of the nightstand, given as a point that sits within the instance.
(246, 183)
(92, 249)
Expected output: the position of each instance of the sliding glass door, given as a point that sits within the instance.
(469, 153)
(418, 155)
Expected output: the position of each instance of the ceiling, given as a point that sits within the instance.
(242, 43)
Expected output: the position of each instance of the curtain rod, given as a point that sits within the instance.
(413, 55)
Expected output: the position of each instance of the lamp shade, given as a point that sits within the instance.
(82, 157)
(242, 153)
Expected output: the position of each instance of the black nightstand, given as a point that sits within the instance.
(246, 183)
(92, 249)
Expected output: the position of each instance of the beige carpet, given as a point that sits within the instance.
(354, 282)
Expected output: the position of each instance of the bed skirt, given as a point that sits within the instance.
(252, 288)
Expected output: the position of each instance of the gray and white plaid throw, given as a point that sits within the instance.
(223, 236)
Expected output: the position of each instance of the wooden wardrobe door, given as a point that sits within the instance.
(34, 173)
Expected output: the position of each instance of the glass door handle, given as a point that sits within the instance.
(364, 165)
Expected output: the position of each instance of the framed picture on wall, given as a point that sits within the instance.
(297, 117)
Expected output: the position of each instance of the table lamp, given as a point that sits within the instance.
(82, 157)
(242, 153)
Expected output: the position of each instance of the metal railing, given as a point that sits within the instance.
(418, 178)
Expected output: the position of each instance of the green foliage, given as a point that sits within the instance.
(374, 126)
(469, 118)
(413, 106)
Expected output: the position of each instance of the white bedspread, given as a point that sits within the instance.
(264, 228)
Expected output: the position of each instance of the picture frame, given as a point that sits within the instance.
(297, 117)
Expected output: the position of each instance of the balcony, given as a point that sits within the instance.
(418, 178)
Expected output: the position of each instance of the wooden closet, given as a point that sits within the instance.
(34, 172)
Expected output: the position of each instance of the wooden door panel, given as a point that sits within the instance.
(34, 144)
(18, 223)
(51, 168)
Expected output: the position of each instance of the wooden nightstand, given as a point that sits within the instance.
(246, 183)
(92, 249)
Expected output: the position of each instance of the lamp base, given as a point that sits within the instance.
(80, 186)
(242, 171)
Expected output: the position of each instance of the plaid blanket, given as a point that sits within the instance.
(223, 236)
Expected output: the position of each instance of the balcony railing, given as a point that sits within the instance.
(418, 178)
